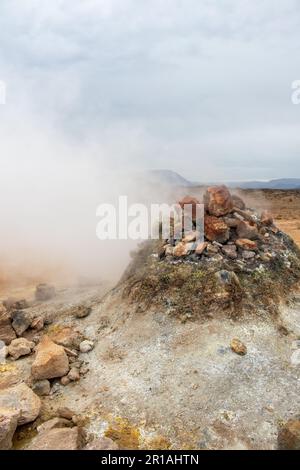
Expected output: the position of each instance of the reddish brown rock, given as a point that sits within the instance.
(230, 251)
(266, 218)
(247, 230)
(215, 229)
(246, 244)
(58, 439)
(180, 250)
(192, 201)
(289, 436)
(51, 360)
(191, 236)
(218, 201)
(200, 248)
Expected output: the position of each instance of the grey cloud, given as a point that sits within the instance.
(202, 87)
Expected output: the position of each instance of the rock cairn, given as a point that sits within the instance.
(232, 232)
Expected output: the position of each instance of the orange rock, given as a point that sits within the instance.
(218, 201)
(51, 360)
(215, 229)
(191, 236)
(246, 244)
(247, 230)
(183, 249)
(200, 248)
(238, 347)
(180, 250)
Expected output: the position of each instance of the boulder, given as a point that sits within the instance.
(9, 376)
(21, 320)
(51, 360)
(65, 412)
(73, 375)
(247, 230)
(180, 250)
(67, 337)
(44, 292)
(200, 247)
(22, 399)
(246, 244)
(58, 439)
(8, 424)
(20, 347)
(289, 436)
(216, 229)
(101, 443)
(7, 333)
(218, 201)
(230, 251)
(65, 380)
(41, 388)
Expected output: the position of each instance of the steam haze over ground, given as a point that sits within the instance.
(97, 89)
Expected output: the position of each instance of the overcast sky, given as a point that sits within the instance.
(199, 87)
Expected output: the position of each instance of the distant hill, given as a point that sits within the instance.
(283, 183)
(172, 178)
(166, 177)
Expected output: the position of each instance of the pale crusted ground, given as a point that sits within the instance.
(178, 385)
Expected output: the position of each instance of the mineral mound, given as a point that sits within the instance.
(245, 265)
